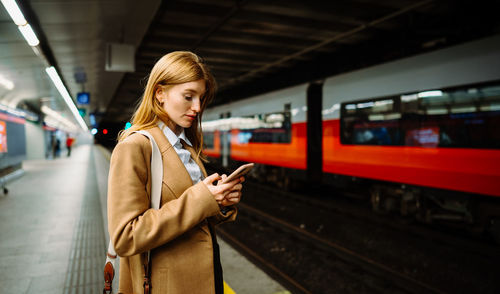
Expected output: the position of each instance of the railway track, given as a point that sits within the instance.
(430, 260)
(469, 243)
(383, 273)
(268, 267)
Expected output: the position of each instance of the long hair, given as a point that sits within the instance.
(174, 68)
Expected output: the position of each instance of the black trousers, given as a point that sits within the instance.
(218, 278)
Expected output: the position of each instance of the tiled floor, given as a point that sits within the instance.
(40, 221)
(52, 231)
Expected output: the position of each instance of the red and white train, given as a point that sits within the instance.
(423, 132)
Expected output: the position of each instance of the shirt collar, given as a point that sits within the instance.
(172, 137)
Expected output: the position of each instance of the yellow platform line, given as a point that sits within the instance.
(227, 289)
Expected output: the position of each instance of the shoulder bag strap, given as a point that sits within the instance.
(156, 180)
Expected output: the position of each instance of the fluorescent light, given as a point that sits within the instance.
(8, 84)
(373, 117)
(51, 71)
(463, 109)
(437, 111)
(29, 35)
(491, 107)
(408, 98)
(13, 111)
(383, 102)
(58, 117)
(430, 93)
(392, 116)
(18, 18)
(365, 105)
(14, 12)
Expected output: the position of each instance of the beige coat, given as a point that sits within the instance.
(177, 234)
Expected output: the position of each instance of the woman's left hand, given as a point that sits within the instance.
(234, 195)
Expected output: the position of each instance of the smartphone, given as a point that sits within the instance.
(240, 171)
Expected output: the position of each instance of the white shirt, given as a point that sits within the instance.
(185, 156)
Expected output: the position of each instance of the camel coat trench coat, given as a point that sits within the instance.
(178, 234)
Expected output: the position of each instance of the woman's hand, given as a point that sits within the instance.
(225, 194)
(234, 195)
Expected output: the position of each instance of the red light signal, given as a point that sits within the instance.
(105, 131)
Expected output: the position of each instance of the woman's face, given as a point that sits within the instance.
(182, 103)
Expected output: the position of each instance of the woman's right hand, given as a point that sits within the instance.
(221, 190)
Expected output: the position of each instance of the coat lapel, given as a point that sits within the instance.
(205, 226)
(175, 175)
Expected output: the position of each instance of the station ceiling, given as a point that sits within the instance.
(251, 46)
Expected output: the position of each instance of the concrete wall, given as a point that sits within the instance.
(35, 141)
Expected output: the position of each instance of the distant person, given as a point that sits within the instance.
(180, 235)
(69, 143)
(51, 149)
(56, 147)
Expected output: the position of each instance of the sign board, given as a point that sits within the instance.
(120, 57)
(82, 112)
(92, 119)
(83, 98)
(3, 137)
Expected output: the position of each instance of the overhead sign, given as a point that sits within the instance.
(92, 119)
(83, 98)
(82, 112)
(80, 75)
(120, 57)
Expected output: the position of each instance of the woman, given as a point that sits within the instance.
(180, 235)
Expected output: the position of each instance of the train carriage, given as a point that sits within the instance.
(269, 129)
(420, 132)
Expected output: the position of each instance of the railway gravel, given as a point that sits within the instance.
(448, 263)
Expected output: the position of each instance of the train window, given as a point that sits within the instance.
(265, 128)
(208, 140)
(463, 117)
(372, 122)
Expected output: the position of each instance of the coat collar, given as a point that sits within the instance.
(175, 175)
(173, 139)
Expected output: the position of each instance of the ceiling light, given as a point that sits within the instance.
(51, 71)
(408, 98)
(14, 12)
(365, 105)
(9, 85)
(435, 93)
(12, 111)
(29, 35)
(58, 117)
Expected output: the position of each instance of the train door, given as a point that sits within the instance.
(314, 133)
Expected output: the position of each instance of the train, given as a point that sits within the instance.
(421, 134)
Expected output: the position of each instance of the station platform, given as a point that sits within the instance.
(54, 236)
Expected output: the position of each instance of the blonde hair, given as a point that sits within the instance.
(174, 68)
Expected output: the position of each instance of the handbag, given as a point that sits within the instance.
(156, 179)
